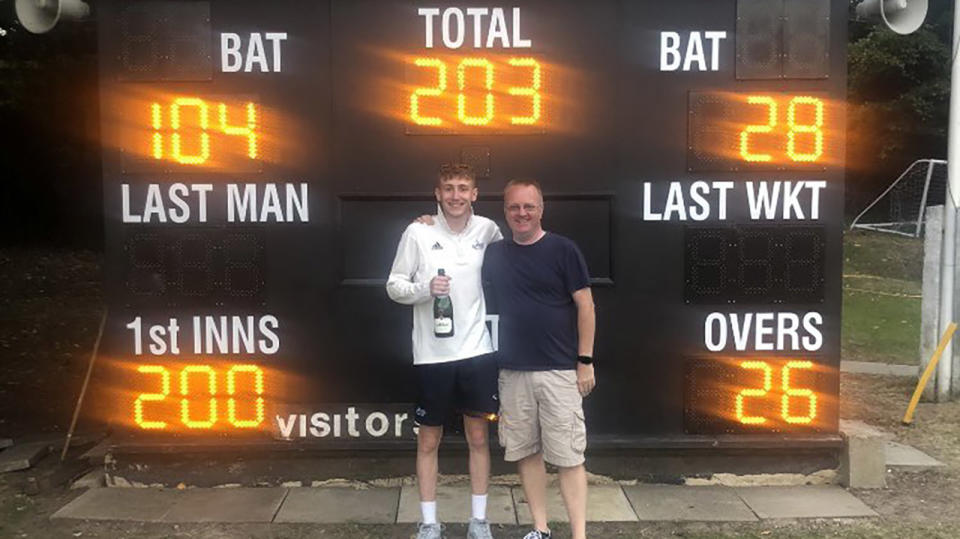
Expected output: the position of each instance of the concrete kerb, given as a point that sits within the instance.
(382, 501)
(863, 463)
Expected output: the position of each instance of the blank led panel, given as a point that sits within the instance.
(478, 157)
(707, 262)
(806, 39)
(712, 143)
(803, 263)
(164, 41)
(145, 253)
(759, 46)
(243, 254)
(195, 267)
(754, 265)
(754, 261)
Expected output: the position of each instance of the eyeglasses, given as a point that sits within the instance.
(515, 208)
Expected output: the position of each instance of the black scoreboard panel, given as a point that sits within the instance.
(261, 160)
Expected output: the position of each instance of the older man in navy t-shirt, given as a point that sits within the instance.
(547, 326)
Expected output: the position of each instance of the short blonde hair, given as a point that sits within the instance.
(524, 183)
(449, 171)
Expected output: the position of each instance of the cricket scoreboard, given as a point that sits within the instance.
(261, 159)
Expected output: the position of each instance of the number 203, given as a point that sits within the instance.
(487, 108)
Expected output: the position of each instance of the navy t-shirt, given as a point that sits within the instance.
(532, 287)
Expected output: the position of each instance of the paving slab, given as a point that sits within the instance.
(22, 456)
(141, 504)
(325, 505)
(95, 478)
(453, 504)
(872, 367)
(905, 456)
(226, 505)
(676, 502)
(605, 503)
(806, 501)
(97, 452)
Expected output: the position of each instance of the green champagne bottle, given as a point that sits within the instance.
(442, 314)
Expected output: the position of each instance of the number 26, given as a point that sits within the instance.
(788, 393)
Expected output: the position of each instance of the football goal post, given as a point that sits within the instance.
(900, 207)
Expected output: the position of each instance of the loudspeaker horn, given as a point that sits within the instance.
(40, 16)
(901, 16)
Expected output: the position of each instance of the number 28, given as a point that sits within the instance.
(794, 129)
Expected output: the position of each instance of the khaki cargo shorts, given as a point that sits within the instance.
(542, 411)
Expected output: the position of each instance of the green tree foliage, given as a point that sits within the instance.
(898, 100)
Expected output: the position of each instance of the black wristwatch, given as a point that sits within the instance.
(586, 360)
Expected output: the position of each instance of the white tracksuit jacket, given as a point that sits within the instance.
(422, 251)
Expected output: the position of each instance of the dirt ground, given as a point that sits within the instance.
(50, 304)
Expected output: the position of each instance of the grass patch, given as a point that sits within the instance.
(880, 328)
(882, 255)
(881, 298)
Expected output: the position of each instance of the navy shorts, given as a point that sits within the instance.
(466, 386)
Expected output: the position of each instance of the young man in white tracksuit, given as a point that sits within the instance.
(456, 373)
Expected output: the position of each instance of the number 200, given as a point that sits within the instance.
(211, 387)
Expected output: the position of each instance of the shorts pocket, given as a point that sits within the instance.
(578, 432)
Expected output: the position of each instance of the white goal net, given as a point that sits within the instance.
(900, 208)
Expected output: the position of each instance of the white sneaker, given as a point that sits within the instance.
(479, 529)
(537, 534)
(429, 531)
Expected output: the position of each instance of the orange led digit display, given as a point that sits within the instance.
(795, 392)
(249, 131)
(201, 400)
(765, 128)
(202, 124)
(232, 413)
(532, 91)
(151, 397)
(796, 130)
(734, 395)
(730, 131)
(434, 91)
(156, 121)
(784, 399)
(185, 392)
(171, 132)
(489, 95)
(754, 392)
(462, 114)
(815, 129)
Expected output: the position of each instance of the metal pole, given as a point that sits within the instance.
(83, 389)
(923, 199)
(948, 253)
(947, 258)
